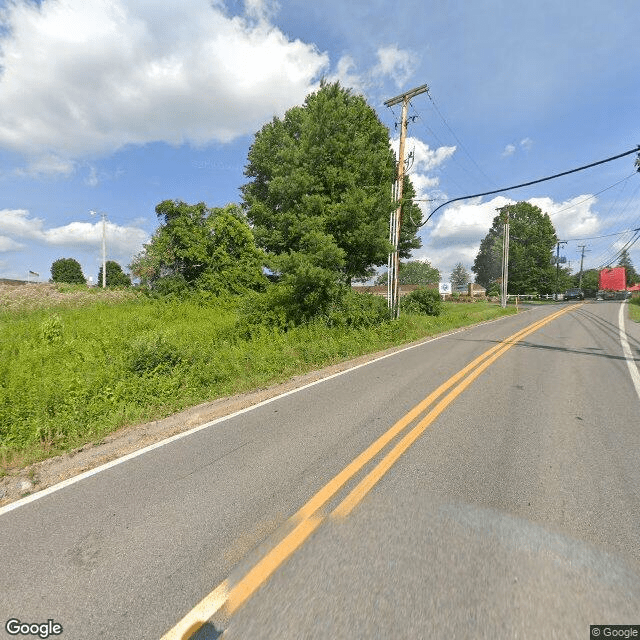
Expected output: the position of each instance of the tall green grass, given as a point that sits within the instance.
(71, 375)
(634, 309)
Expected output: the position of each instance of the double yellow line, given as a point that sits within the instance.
(227, 598)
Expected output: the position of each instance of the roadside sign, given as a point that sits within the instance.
(444, 287)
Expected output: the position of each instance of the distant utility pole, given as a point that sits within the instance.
(558, 265)
(505, 262)
(104, 247)
(395, 222)
(583, 247)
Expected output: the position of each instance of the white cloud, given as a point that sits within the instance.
(526, 143)
(509, 150)
(458, 230)
(85, 78)
(346, 74)
(18, 222)
(122, 241)
(7, 244)
(396, 63)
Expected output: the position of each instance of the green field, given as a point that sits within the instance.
(79, 366)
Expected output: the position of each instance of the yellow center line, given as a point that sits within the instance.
(367, 483)
(306, 520)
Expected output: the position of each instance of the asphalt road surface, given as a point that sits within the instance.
(474, 486)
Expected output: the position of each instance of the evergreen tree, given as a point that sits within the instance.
(115, 276)
(459, 277)
(632, 276)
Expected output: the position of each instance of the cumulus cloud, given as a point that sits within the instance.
(509, 150)
(424, 162)
(7, 244)
(85, 78)
(456, 233)
(122, 241)
(396, 63)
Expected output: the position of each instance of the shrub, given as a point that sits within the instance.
(422, 301)
(154, 356)
(357, 310)
(51, 329)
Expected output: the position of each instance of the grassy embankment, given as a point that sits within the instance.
(634, 309)
(76, 365)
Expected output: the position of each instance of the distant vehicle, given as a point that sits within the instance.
(574, 294)
(612, 284)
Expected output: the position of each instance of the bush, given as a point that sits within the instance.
(635, 300)
(423, 301)
(357, 310)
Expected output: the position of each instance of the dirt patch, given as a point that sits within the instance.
(35, 477)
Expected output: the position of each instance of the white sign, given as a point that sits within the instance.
(444, 287)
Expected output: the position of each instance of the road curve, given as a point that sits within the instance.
(513, 512)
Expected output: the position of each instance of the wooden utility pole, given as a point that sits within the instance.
(505, 263)
(583, 247)
(395, 223)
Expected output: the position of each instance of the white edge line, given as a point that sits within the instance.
(108, 465)
(626, 350)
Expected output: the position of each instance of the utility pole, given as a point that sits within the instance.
(583, 247)
(558, 265)
(505, 262)
(395, 222)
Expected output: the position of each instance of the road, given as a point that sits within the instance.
(469, 487)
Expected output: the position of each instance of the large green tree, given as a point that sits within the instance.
(632, 276)
(67, 270)
(115, 276)
(201, 248)
(531, 248)
(413, 272)
(319, 196)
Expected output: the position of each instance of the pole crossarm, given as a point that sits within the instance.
(407, 95)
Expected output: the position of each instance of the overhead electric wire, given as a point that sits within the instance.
(446, 124)
(630, 243)
(532, 182)
(575, 204)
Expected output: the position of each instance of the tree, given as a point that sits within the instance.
(531, 248)
(590, 281)
(116, 277)
(201, 248)
(321, 177)
(632, 276)
(459, 277)
(413, 272)
(67, 270)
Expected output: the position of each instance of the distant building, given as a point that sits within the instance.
(476, 290)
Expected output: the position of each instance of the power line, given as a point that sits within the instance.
(575, 204)
(446, 124)
(527, 184)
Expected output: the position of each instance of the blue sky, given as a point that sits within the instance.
(116, 105)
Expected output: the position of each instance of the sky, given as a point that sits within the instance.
(113, 106)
